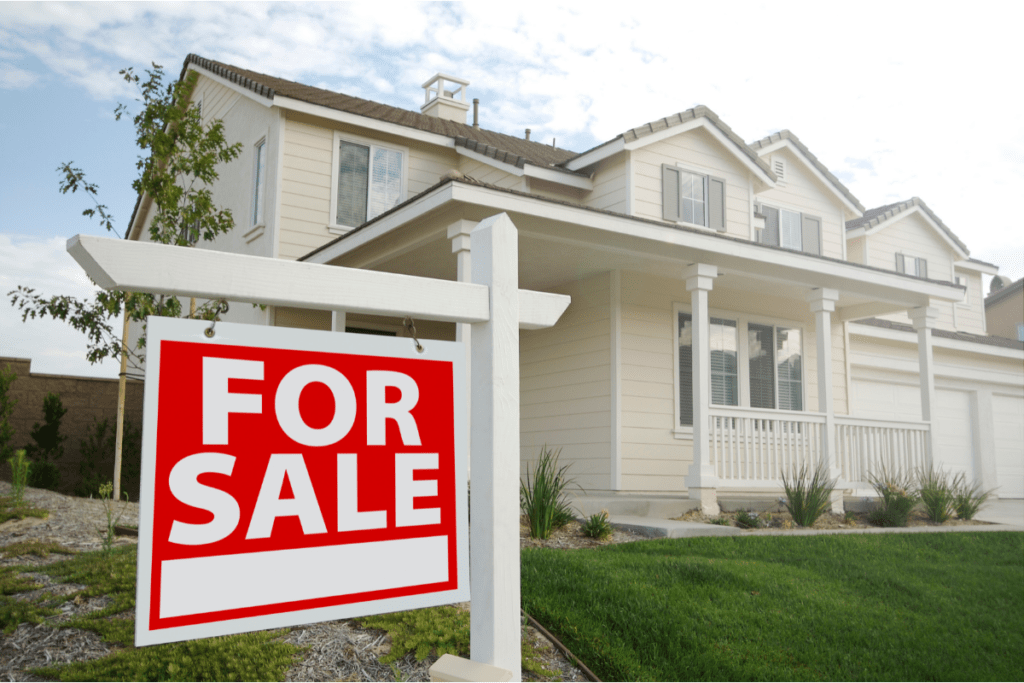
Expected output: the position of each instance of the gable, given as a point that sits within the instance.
(912, 234)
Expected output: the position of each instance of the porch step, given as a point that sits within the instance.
(634, 505)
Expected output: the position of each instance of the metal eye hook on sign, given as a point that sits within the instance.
(221, 308)
(410, 327)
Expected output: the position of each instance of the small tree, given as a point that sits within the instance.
(48, 446)
(176, 170)
(7, 403)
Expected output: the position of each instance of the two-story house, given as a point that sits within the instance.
(735, 309)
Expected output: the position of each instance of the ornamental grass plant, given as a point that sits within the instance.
(542, 495)
(936, 489)
(597, 526)
(968, 499)
(807, 493)
(898, 494)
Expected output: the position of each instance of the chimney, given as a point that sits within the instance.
(527, 133)
(445, 98)
(476, 112)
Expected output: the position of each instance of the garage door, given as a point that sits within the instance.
(1008, 415)
(953, 442)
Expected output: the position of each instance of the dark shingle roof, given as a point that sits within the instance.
(1004, 293)
(985, 339)
(787, 135)
(700, 111)
(873, 217)
(535, 153)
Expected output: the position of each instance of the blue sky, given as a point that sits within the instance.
(897, 99)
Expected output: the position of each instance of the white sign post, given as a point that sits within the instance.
(492, 303)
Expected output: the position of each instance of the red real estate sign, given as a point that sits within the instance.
(292, 476)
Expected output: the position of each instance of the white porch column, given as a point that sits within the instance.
(924, 321)
(459, 233)
(494, 625)
(823, 303)
(701, 480)
(338, 321)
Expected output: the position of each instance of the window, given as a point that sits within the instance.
(689, 197)
(962, 281)
(911, 265)
(259, 181)
(770, 366)
(368, 180)
(790, 230)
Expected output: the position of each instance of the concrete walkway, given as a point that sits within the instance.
(1003, 515)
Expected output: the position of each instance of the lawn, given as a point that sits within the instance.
(936, 606)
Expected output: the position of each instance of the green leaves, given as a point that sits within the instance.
(542, 497)
(807, 494)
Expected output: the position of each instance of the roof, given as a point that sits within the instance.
(787, 135)
(700, 111)
(878, 215)
(985, 339)
(1005, 293)
(536, 153)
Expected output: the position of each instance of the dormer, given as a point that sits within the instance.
(445, 98)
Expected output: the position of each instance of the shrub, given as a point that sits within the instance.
(438, 630)
(19, 475)
(542, 496)
(807, 494)
(898, 498)
(597, 526)
(746, 519)
(7, 377)
(98, 456)
(936, 492)
(720, 521)
(968, 499)
(48, 445)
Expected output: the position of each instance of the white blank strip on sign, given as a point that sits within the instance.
(211, 584)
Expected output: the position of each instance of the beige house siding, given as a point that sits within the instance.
(698, 151)
(1004, 316)
(970, 315)
(565, 386)
(610, 182)
(801, 191)
(855, 250)
(913, 236)
(306, 183)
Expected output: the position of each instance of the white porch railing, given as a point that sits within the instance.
(753, 447)
(864, 446)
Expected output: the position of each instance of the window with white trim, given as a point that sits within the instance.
(259, 181)
(790, 229)
(769, 367)
(912, 265)
(693, 198)
(368, 179)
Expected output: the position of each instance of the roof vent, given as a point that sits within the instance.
(445, 98)
(779, 168)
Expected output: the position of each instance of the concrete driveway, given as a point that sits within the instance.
(1004, 511)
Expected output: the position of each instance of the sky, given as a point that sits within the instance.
(897, 99)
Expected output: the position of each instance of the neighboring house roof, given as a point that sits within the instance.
(948, 334)
(536, 153)
(700, 111)
(881, 214)
(1005, 293)
(787, 135)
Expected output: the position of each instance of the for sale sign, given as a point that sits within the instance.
(292, 476)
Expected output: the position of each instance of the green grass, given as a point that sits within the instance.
(861, 607)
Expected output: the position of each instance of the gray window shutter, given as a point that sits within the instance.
(811, 228)
(670, 193)
(770, 234)
(900, 265)
(922, 268)
(716, 204)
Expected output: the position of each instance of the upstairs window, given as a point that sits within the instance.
(369, 179)
(690, 197)
(790, 230)
(912, 265)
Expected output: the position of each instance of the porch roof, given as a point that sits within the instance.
(561, 241)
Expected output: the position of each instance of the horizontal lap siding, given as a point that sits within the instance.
(306, 182)
(801, 191)
(699, 151)
(970, 316)
(489, 174)
(609, 191)
(565, 388)
(913, 236)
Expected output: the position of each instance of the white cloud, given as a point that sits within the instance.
(11, 77)
(53, 346)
